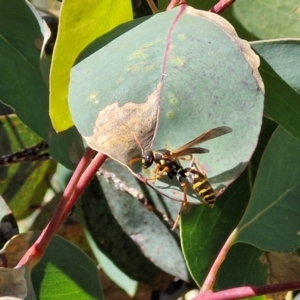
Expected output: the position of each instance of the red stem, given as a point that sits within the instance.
(221, 6)
(218, 8)
(249, 291)
(211, 277)
(83, 174)
(174, 3)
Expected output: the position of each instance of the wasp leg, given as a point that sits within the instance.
(158, 172)
(196, 164)
(184, 202)
(220, 192)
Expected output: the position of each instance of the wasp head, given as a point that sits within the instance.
(147, 159)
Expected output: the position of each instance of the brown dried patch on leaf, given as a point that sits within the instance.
(283, 267)
(117, 128)
(244, 46)
(13, 284)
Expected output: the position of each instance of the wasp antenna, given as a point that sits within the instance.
(138, 142)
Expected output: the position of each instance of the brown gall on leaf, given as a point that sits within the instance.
(244, 46)
(117, 128)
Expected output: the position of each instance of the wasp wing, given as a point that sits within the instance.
(206, 136)
(189, 151)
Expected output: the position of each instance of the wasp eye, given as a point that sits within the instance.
(147, 159)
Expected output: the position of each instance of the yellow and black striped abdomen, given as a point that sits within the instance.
(201, 185)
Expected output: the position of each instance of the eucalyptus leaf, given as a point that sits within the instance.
(280, 72)
(286, 23)
(24, 81)
(271, 221)
(161, 88)
(79, 24)
(135, 232)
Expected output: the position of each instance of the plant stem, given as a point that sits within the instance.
(249, 291)
(153, 7)
(83, 174)
(211, 277)
(221, 6)
(174, 3)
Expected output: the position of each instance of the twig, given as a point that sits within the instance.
(122, 186)
(153, 7)
(34, 153)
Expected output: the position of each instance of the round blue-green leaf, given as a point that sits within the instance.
(165, 82)
(283, 56)
(280, 71)
(285, 24)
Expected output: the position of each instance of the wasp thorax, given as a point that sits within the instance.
(147, 160)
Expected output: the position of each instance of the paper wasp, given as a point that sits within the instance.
(168, 162)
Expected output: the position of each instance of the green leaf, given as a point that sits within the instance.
(79, 24)
(112, 271)
(66, 270)
(205, 230)
(108, 37)
(23, 185)
(283, 56)
(63, 270)
(136, 235)
(282, 88)
(164, 87)
(285, 25)
(243, 16)
(272, 220)
(23, 85)
(243, 266)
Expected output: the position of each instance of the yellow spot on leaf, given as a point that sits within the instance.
(182, 36)
(93, 97)
(178, 60)
(172, 99)
(170, 114)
